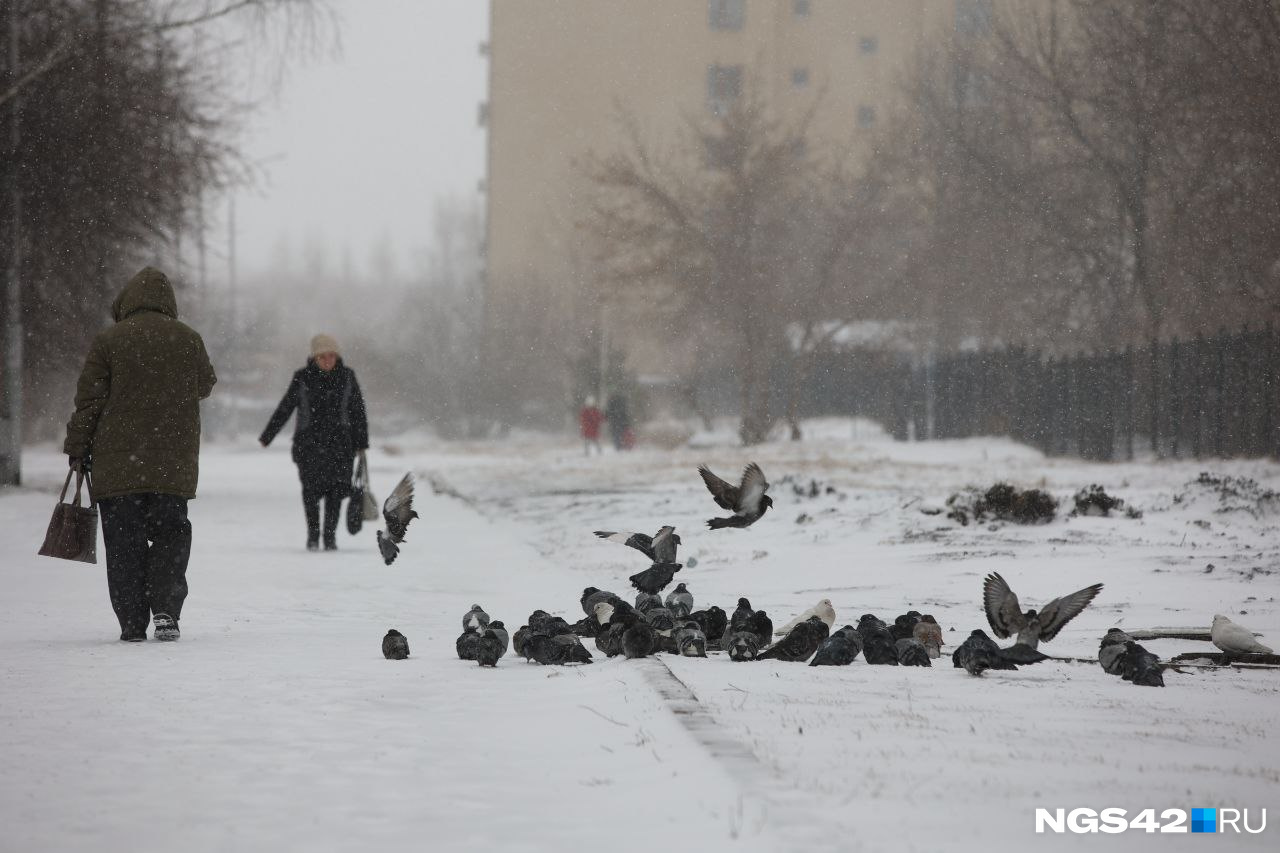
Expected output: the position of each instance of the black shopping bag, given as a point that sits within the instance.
(358, 508)
(73, 530)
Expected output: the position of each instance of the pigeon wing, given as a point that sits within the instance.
(1003, 611)
(639, 541)
(664, 545)
(1062, 610)
(397, 509)
(752, 490)
(726, 496)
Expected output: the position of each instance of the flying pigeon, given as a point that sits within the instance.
(840, 649)
(747, 500)
(680, 601)
(690, 641)
(654, 579)
(395, 646)
(475, 618)
(659, 548)
(1140, 666)
(397, 512)
(490, 647)
(742, 645)
(467, 644)
(1006, 616)
(929, 633)
(800, 642)
(823, 610)
(1235, 639)
(1111, 651)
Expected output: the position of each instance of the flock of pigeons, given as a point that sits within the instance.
(671, 625)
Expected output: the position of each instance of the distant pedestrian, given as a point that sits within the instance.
(137, 425)
(331, 428)
(619, 418)
(590, 419)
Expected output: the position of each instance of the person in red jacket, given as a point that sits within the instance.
(590, 419)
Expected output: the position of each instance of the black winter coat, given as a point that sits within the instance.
(330, 428)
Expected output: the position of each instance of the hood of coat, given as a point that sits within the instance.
(149, 290)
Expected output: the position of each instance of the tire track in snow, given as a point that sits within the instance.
(768, 802)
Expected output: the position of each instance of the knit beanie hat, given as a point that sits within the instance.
(322, 344)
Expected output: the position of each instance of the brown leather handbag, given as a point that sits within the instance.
(73, 530)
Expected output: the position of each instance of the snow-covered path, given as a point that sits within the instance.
(275, 724)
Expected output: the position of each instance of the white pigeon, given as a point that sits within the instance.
(823, 610)
(1235, 639)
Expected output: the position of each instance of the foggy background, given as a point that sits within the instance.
(500, 209)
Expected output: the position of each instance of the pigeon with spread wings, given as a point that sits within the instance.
(1007, 618)
(660, 547)
(397, 512)
(747, 500)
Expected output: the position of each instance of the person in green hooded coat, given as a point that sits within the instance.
(137, 427)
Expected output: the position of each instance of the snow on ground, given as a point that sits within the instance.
(275, 723)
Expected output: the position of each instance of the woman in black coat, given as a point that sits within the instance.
(330, 429)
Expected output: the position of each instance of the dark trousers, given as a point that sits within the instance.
(311, 496)
(148, 543)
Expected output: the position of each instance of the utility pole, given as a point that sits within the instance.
(11, 437)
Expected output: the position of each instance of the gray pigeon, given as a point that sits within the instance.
(800, 642)
(690, 641)
(500, 634)
(592, 596)
(395, 646)
(1235, 639)
(747, 500)
(397, 512)
(1007, 618)
(1140, 666)
(680, 601)
(490, 647)
(475, 618)
(661, 619)
(659, 548)
(840, 649)
(467, 644)
(647, 601)
(1111, 651)
(911, 652)
(742, 645)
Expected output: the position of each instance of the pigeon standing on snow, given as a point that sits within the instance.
(800, 643)
(878, 646)
(1111, 651)
(467, 644)
(1140, 666)
(500, 634)
(690, 641)
(742, 645)
(395, 646)
(680, 601)
(592, 596)
(979, 653)
(557, 650)
(738, 618)
(490, 647)
(911, 652)
(1235, 639)
(839, 649)
(1006, 616)
(713, 622)
(397, 512)
(747, 500)
(929, 633)
(823, 610)
(475, 619)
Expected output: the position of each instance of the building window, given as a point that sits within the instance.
(973, 17)
(869, 44)
(724, 85)
(800, 8)
(799, 77)
(726, 14)
(866, 116)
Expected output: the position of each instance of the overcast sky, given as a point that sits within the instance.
(355, 148)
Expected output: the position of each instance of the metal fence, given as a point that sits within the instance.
(1209, 396)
